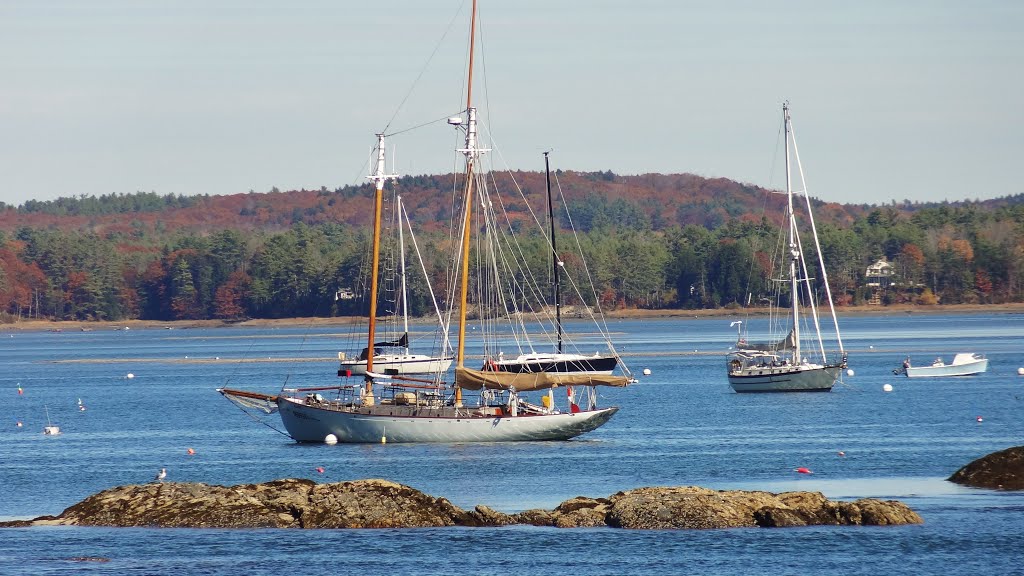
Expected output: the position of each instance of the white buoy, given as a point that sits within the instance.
(1020, 371)
(849, 371)
(647, 371)
(384, 436)
(330, 439)
(129, 376)
(887, 387)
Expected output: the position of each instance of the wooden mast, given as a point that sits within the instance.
(467, 217)
(379, 178)
(470, 153)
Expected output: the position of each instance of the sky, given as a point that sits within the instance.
(891, 100)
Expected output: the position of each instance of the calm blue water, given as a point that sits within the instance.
(681, 425)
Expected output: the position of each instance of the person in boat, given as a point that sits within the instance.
(906, 362)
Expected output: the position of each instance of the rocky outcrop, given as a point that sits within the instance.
(293, 503)
(1003, 470)
(692, 507)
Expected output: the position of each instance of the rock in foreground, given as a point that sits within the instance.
(1003, 470)
(293, 503)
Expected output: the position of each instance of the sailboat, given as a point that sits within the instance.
(394, 357)
(559, 361)
(50, 429)
(479, 405)
(795, 360)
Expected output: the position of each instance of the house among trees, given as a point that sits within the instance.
(879, 274)
(878, 277)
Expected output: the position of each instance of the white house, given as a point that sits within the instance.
(879, 274)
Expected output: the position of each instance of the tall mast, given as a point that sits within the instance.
(379, 178)
(471, 154)
(794, 252)
(554, 256)
(401, 258)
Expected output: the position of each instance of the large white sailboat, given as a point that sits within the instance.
(795, 359)
(486, 405)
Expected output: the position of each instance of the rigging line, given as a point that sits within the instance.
(418, 126)
(568, 215)
(527, 272)
(764, 211)
(260, 421)
(519, 257)
(814, 231)
(601, 325)
(597, 301)
(416, 247)
(426, 65)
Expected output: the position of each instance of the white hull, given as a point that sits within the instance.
(805, 378)
(968, 369)
(398, 364)
(306, 423)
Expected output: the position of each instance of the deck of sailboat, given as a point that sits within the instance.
(426, 408)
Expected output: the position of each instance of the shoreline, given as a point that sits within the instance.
(624, 314)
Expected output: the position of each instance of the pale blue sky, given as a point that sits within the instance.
(891, 99)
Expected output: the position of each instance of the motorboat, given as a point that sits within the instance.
(963, 364)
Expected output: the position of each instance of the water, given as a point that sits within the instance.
(681, 425)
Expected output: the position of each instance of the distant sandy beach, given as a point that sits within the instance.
(43, 325)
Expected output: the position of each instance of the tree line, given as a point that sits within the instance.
(639, 253)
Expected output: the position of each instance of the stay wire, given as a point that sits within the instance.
(426, 65)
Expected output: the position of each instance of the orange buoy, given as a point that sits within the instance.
(803, 470)
(320, 469)
(191, 452)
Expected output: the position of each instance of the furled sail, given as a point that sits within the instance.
(527, 381)
(787, 343)
(402, 342)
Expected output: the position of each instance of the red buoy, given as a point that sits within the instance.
(803, 470)
(320, 469)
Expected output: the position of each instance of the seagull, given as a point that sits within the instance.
(161, 475)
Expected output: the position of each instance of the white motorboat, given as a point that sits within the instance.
(963, 364)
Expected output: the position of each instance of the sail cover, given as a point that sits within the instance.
(402, 342)
(787, 343)
(527, 381)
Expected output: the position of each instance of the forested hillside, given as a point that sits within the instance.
(655, 241)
